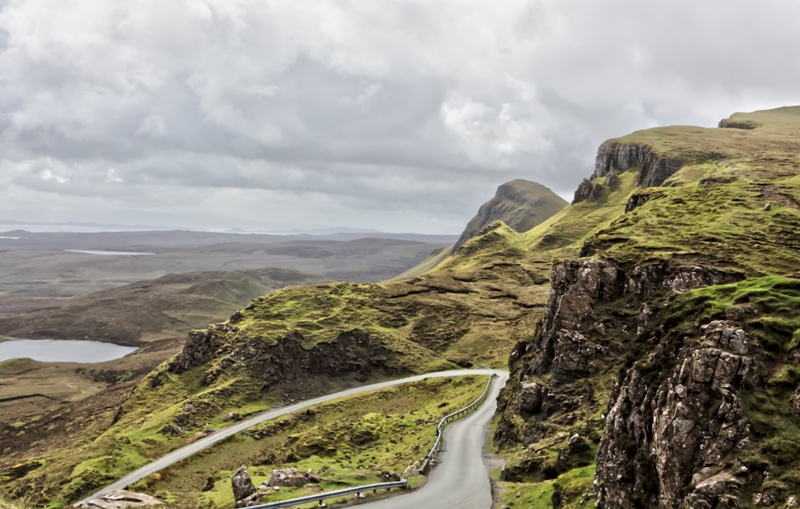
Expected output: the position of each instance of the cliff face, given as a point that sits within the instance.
(614, 158)
(520, 204)
(671, 347)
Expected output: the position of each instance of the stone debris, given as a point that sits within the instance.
(119, 499)
(291, 477)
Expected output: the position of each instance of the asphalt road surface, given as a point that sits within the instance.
(461, 479)
(473, 441)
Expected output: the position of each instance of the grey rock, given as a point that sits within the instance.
(119, 499)
(530, 398)
(288, 477)
(242, 484)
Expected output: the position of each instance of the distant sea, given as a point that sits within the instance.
(44, 228)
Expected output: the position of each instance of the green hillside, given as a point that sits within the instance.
(520, 204)
(650, 329)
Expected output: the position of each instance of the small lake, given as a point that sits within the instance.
(62, 350)
(107, 253)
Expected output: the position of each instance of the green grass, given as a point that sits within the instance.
(351, 441)
(397, 426)
(722, 223)
(574, 489)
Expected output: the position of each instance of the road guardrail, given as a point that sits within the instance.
(402, 483)
(437, 445)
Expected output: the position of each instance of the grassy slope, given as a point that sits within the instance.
(520, 204)
(492, 290)
(351, 440)
(711, 211)
(430, 263)
(492, 307)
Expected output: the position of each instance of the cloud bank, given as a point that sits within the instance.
(393, 115)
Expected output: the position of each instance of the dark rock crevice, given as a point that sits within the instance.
(603, 318)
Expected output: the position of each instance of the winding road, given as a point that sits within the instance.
(460, 482)
(461, 479)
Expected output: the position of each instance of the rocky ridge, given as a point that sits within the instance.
(614, 158)
(660, 347)
(520, 204)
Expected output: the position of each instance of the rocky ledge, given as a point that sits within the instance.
(614, 158)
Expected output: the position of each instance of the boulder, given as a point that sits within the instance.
(119, 499)
(530, 398)
(288, 477)
(242, 484)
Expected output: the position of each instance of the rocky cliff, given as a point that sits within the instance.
(614, 158)
(521, 204)
(671, 348)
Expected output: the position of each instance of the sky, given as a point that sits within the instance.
(399, 116)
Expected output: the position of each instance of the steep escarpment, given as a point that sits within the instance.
(614, 158)
(597, 318)
(669, 344)
(520, 204)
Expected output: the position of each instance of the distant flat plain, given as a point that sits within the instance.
(40, 270)
(47, 290)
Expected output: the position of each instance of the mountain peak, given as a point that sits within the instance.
(521, 204)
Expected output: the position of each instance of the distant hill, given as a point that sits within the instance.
(521, 204)
(153, 309)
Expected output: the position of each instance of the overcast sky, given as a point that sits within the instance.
(392, 115)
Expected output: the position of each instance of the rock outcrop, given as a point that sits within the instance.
(120, 499)
(661, 431)
(614, 158)
(291, 477)
(733, 124)
(353, 354)
(672, 441)
(242, 485)
(520, 204)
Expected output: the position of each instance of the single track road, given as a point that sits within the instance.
(184, 452)
(461, 479)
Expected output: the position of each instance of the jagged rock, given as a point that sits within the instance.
(530, 398)
(732, 124)
(574, 355)
(200, 348)
(242, 484)
(584, 191)
(719, 491)
(665, 423)
(288, 477)
(653, 438)
(120, 499)
(576, 444)
(639, 199)
(654, 169)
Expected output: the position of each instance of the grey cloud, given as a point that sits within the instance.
(393, 115)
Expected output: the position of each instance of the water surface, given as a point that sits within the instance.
(62, 350)
(107, 253)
